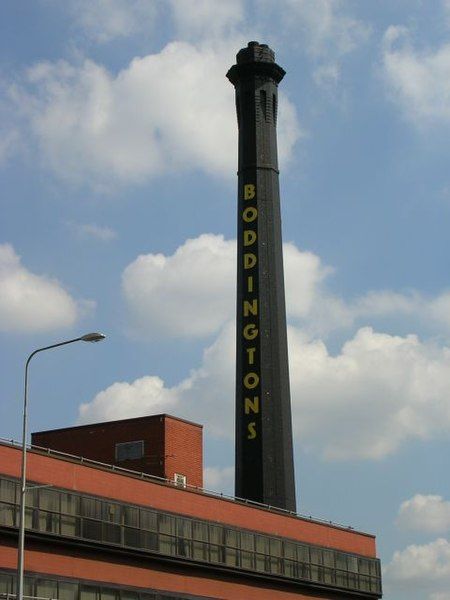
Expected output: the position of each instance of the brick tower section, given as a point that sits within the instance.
(264, 455)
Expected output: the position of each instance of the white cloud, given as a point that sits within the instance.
(192, 293)
(427, 513)
(187, 294)
(375, 394)
(91, 230)
(219, 479)
(106, 20)
(417, 80)
(372, 397)
(424, 568)
(364, 403)
(121, 400)
(29, 302)
(165, 113)
(205, 396)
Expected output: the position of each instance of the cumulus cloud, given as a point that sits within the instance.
(121, 400)
(205, 396)
(427, 513)
(369, 399)
(187, 294)
(416, 79)
(192, 293)
(363, 402)
(169, 112)
(424, 568)
(29, 302)
(377, 393)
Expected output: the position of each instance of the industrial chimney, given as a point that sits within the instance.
(264, 454)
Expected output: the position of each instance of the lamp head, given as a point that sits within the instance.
(93, 337)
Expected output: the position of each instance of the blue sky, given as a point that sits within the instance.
(118, 160)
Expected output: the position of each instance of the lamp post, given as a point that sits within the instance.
(88, 337)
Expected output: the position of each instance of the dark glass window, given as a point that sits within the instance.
(49, 513)
(216, 544)
(184, 537)
(200, 540)
(70, 508)
(247, 550)
(46, 588)
(149, 529)
(88, 592)
(129, 450)
(109, 594)
(290, 559)
(8, 500)
(166, 528)
(67, 590)
(58, 511)
(91, 509)
(6, 583)
(262, 553)
(275, 555)
(231, 547)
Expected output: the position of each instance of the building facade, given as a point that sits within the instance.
(105, 533)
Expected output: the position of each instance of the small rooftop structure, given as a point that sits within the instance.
(161, 445)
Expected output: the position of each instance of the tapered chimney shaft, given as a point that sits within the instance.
(264, 454)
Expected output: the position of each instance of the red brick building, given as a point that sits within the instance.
(101, 532)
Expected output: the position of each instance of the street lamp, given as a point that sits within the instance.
(88, 337)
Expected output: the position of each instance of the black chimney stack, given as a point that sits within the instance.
(264, 455)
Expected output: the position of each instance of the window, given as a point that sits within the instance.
(46, 588)
(49, 513)
(166, 526)
(247, 550)
(262, 552)
(67, 590)
(215, 541)
(70, 509)
(200, 540)
(75, 515)
(129, 450)
(184, 537)
(8, 499)
(149, 529)
(92, 526)
(231, 547)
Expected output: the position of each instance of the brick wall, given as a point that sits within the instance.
(184, 450)
(171, 445)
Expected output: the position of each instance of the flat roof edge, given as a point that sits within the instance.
(115, 421)
(114, 470)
